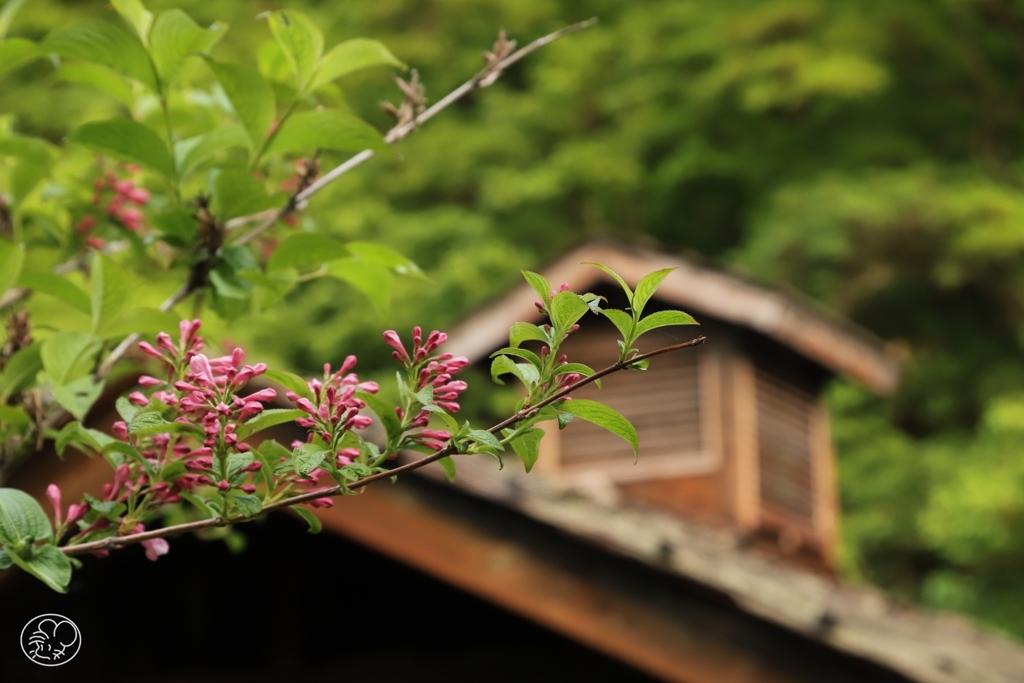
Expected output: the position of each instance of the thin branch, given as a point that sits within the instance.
(14, 295)
(126, 344)
(114, 542)
(482, 79)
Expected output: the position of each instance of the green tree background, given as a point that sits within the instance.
(866, 152)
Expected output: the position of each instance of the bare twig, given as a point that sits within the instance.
(484, 78)
(120, 541)
(127, 342)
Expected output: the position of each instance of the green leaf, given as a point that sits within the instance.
(448, 465)
(503, 365)
(68, 356)
(14, 417)
(301, 41)
(540, 284)
(103, 43)
(623, 322)
(615, 276)
(663, 319)
(200, 504)
(564, 419)
(374, 282)
(29, 148)
(246, 503)
(646, 288)
(109, 292)
(20, 371)
(520, 332)
(7, 16)
(22, 520)
(325, 129)
(375, 254)
(308, 457)
(49, 565)
(12, 258)
(449, 421)
(175, 37)
(101, 77)
(78, 396)
(527, 446)
(289, 381)
(5, 560)
(237, 193)
(251, 97)
(147, 423)
(25, 177)
(192, 152)
(485, 438)
(58, 287)
(305, 249)
(136, 14)
(519, 353)
(566, 308)
(16, 52)
(315, 526)
(133, 453)
(386, 413)
(126, 140)
(126, 409)
(350, 56)
(605, 417)
(268, 418)
(141, 321)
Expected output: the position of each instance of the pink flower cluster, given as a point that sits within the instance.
(335, 407)
(121, 199)
(435, 371)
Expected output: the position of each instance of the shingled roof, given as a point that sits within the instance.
(787, 317)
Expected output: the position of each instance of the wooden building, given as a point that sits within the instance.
(734, 432)
(707, 562)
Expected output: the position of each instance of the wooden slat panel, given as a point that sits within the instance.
(784, 418)
(663, 404)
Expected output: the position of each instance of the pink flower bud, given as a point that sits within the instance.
(359, 422)
(248, 488)
(439, 434)
(131, 219)
(86, 224)
(138, 398)
(322, 502)
(155, 547)
(53, 493)
(391, 339)
(262, 395)
(146, 347)
(223, 485)
(147, 381)
(350, 362)
(76, 511)
(120, 430)
(138, 195)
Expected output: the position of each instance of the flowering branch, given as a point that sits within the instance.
(482, 79)
(114, 542)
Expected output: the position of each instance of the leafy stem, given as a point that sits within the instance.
(525, 413)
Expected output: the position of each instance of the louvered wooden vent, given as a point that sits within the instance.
(664, 404)
(784, 442)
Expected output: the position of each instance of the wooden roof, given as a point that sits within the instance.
(786, 317)
(779, 623)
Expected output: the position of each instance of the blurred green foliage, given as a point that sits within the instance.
(868, 152)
